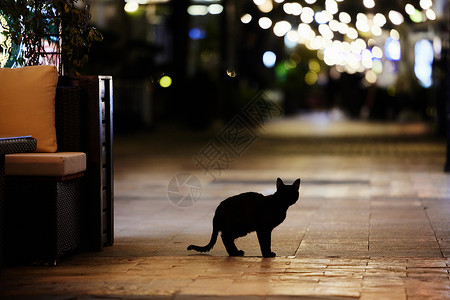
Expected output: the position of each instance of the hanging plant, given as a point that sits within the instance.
(42, 30)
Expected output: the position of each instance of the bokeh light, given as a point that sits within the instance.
(269, 59)
(247, 18)
(165, 81)
(423, 62)
(265, 23)
(131, 7)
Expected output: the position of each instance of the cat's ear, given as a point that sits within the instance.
(279, 182)
(297, 184)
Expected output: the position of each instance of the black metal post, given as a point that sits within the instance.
(447, 115)
(445, 57)
(2, 205)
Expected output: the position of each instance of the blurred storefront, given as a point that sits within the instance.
(197, 61)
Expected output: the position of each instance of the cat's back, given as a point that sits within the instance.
(239, 213)
(248, 198)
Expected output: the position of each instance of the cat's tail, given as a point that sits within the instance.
(211, 243)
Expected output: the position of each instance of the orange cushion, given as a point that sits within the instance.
(27, 104)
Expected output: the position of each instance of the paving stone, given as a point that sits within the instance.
(371, 222)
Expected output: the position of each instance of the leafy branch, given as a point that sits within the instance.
(31, 23)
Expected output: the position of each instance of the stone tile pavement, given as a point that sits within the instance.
(371, 222)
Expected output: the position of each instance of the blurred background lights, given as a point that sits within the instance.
(362, 17)
(377, 52)
(416, 16)
(197, 33)
(334, 25)
(331, 6)
(165, 81)
(394, 34)
(269, 59)
(431, 15)
(365, 41)
(369, 3)
(323, 17)
(379, 20)
(425, 4)
(366, 59)
(247, 18)
(291, 39)
(325, 31)
(266, 6)
(265, 22)
(292, 8)
(281, 28)
(409, 9)
(376, 30)
(197, 10)
(311, 78)
(344, 17)
(423, 62)
(371, 77)
(215, 9)
(437, 47)
(377, 66)
(290, 64)
(305, 33)
(231, 72)
(392, 49)
(131, 7)
(352, 33)
(395, 17)
(314, 65)
(307, 15)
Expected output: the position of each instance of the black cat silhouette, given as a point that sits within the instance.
(244, 213)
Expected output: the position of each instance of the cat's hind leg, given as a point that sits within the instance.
(228, 242)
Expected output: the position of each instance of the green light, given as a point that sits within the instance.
(281, 71)
(165, 81)
(416, 17)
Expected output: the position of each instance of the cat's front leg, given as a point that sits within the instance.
(264, 238)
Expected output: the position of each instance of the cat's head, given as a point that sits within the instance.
(288, 193)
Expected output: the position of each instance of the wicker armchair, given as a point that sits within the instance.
(47, 217)
(44, 214)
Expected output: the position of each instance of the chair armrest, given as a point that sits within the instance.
(17, 145)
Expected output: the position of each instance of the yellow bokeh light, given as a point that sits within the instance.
(314, 65)
(371, 77)
(165, 81)
(231, 73)
(311, 78)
